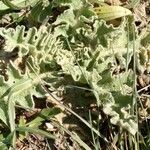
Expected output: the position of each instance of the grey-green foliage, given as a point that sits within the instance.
(46, 55)
(19, 85)
(143, 50)
(89, 61)
(41, 12)
(113, 92)
(95, 51)
(41, 45)
(145, 37)
(16, 4)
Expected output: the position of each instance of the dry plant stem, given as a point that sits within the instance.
(145, 88)
(145, 95)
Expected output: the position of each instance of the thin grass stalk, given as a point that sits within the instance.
(98, 128)
(127, 58)
(77, 61)
(121, 139)
(93, 137)
(135, 94)
(48, 145)
(126, 140)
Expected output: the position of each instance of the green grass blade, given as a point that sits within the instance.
(35, 131)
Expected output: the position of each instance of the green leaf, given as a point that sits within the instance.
(120, 112)
(74, 4)
(45, 114)
(9, 4)
(111, 12)
(3, 146)
(3, 113)
(103, 32)
(66, 20)
(16, 4)
(145, 41)
(39, 47)
(35, 131)
(40, 12)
